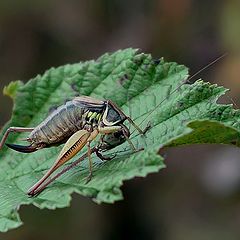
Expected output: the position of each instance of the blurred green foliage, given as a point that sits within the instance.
(197, 196)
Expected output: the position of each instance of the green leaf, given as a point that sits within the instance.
(144, 88)
(12, 88)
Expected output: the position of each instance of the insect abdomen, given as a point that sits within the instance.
(61, 124)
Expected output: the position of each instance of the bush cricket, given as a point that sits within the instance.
(78, 123)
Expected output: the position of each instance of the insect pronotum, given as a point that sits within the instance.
(78, 123)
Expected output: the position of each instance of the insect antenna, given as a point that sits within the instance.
(128, 93)
(129, 107)
(233, 102)
(188, 80)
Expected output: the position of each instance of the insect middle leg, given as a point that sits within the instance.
(92, 137)
(13, 129)
(89, 177)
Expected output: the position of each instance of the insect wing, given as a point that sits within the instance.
(90, 103)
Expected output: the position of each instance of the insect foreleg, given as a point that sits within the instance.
(147, 128)
(129, 142)
(13, 129)
(136, 126)
(112, 129)
(108, 129)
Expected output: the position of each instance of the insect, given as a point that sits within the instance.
(107, 142)
(77, 123)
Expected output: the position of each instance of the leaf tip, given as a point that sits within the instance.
(11, 89)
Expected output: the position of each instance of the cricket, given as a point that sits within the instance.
(77, 123)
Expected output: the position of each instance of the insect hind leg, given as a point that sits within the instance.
(13, 129)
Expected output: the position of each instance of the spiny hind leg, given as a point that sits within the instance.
(73, 145)
(13, 129)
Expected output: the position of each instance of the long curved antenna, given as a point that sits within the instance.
(185, 81)
(129, 106)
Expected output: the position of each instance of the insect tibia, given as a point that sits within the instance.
(135, 125)
(147, 128)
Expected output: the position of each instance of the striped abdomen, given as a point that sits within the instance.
(61, 124)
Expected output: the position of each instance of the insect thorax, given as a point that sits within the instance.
(91, 118)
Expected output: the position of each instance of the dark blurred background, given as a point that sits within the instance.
(198, 195)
